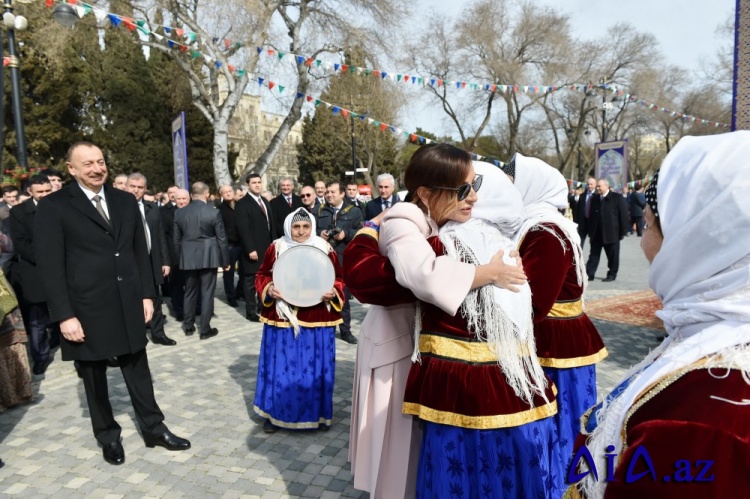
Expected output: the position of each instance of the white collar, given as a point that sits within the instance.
(90, 194)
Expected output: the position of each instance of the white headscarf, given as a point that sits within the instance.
(286, 242)
(500, 317)
(545, 191)
(701, 273)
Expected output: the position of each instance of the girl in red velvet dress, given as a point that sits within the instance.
(678, 424)
(485, 404)
(297, 363)
(567, 342)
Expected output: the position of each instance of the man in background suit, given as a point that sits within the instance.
(228, 216)
(583, 210)
(352, 194)
(637, 205)
(386, 185)
(175, 284)
(255, 225)
(283, 204)
(320, 193)
(201, 242)
(91, 254)
(158, 253)
(22, 219)
(309, 200)
(608, 224)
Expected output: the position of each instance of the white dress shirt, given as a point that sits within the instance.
(90, 194)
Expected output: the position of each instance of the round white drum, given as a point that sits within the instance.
(302, 275)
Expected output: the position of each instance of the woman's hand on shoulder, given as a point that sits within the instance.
(506, 276)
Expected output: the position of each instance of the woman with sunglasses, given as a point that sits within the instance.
(475, 382)
(384, 442)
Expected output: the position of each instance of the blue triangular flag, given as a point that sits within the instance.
(170, 44)
(114, 20)
(335, 110)
(458, 84)
(167, 29)
(300, 95)
(300, 60)
(259, 49)
(336, 67)
(383, 74)
(218, 64)
(260, 81)
(433, 81)
(413, 79)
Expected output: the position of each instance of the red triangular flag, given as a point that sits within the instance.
(230, 68)
(376, 73)
(344, 68)
(128, 23)
(271, 84)
(270, 51)
(309, 62)
(49, 3)
(309, 98)
(179, 32)
(413, 137)
(383, 126)
(344, 113)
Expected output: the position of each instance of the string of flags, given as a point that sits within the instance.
(182, 40)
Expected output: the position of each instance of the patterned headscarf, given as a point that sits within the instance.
(510, 167)
(651, 194)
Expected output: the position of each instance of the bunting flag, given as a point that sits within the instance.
(82, 9)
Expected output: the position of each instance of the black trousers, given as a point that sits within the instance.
(346, 314)
(203, 282)
(157, 320)
(137, 376)
(582, 233)
(38, 320)
(177, 290)
(611, 250)
(230, 291)
(638, 221)
(252, 301)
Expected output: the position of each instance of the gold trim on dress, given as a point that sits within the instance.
(291, 426)
(337, 302)
(574, 361)
(481, 422)
(566, 309)
(286, 324)
(368, 231)
(458, 349)
(264, 296)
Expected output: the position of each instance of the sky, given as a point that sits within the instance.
(685, 29)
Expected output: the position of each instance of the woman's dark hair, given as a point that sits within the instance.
(439, 165)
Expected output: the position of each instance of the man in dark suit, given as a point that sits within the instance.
(157, 250)
(22, 219)
(201, 242)
(92, 256)
(386, 185)
(255, 225)
(283, 204)
(338, 223)
(352, 194)
(608, 224)
(637, 204)
(175, 284)
(310, 200)
(583, 210)
(229, 217)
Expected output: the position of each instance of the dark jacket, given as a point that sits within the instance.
(281, 209)
(637, 204)
(199, 237)
(95, 272)
(610, 215)
(349, 219)
(254, 230)
(159, 248)
(579, 214)
(356, 202)
(21, 222)
(375, 207)
(229, 217)
(167, 221)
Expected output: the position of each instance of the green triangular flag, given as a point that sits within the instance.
(191, 37)
(281, 88)
(368, 72)
(237, 45)
(352, 69)
(281, 55)
(318, 62)
(140, 22)
(419, 80)
(196, 54)
(398, 77)
(317, 102)
(241, 73)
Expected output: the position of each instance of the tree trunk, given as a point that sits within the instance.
(221, 152)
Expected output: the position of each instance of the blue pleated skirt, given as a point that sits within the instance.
(505, 463)
(294, 388)
(576, 393)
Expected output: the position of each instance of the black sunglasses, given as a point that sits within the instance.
(463, 190)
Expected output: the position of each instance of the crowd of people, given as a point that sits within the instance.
(476, 364)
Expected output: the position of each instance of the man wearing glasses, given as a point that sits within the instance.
(310, 200)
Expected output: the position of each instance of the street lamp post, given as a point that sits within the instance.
(354, 149)
(12, 23)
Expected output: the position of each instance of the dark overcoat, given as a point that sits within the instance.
(199, 237)
(159, 248)
(21, 225)
(95, 272)
(609, 214)
(254, 230)
(280, 209)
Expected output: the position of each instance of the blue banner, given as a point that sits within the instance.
(179, 152)
(612, 163)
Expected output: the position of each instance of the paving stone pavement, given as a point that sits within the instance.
(205, 388)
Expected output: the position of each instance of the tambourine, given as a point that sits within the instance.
(302, 275)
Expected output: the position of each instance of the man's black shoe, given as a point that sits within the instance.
(232, 303)
(113, 362)
(252, 317)
(163, 340)
(349, 338)
(188, 330)
(608, 279)
(168, 440)
(213, 332)
(114, 453)
(591, 278)
(40, 368)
